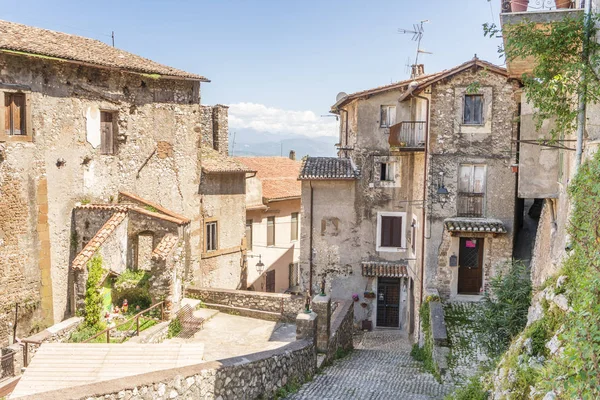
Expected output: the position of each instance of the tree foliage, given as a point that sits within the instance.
(93, 297)
(560, 72)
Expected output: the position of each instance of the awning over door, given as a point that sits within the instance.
(384, 269)
(482, 225)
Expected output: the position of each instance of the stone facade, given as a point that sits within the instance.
(158, 127)
(342, 330)
(249, 377)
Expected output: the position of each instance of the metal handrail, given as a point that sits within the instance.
(136, 317)
(409, 134)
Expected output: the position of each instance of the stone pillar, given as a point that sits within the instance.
(322, 306)
(220, 122)
(306, 326)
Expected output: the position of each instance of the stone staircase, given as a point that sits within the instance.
(380, 367)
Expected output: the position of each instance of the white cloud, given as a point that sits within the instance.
(274, 120)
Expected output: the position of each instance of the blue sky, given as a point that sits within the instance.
(279, 63)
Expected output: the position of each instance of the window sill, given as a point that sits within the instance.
(15, 138)
(391, 249)
(474, 125)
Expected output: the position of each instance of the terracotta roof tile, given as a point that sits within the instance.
(278, 175)
(214, 162)
(164, 248)
(37, 41)
(328, 168)
(484, 225)
(99, 238)
(383, 269)
(126, 195)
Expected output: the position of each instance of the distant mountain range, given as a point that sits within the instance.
(253, 143)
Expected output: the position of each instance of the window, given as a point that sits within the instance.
(270, 281)
(249, 234)
(387, 172)
(413, 235)
(106, 132)
(271, 231)
(390, 231)
(294, 232)
(212, 243)
(14, 114)
(388, 116)
(471, 190)
(473, 109)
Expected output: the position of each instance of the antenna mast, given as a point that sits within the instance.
(417, 33)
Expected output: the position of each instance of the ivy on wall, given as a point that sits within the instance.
(93, 295)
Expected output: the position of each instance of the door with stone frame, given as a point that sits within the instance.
(388, 302)
(470, 265)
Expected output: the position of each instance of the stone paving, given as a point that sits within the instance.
(380, 367)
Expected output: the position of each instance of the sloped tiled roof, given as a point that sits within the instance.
(214, 162)
(328, 168)
(136, 208)
(126, 195)
(278, 175)
(422, 81)
(164, 248)
(99, 238)
(383, 269)
(37, 41)
(484, 225)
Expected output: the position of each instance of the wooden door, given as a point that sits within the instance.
(470, 265)
(271, 281)
(388, 302)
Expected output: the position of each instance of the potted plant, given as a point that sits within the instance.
(355, 297)
(519, 5)
(564, 4)
(369, 294)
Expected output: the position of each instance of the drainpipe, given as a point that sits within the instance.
(346, 135)
(426, 153)
(310, 242)
(582, 105)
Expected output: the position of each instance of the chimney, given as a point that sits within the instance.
(220, 129)
(292, 155)
(417, 70)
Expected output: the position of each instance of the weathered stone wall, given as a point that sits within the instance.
(285, 305)
(342, 328)
(453, 144)
(158, 130)
(252, 376)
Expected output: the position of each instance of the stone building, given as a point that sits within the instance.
(273, 223)
(82, 121)
(420, 197)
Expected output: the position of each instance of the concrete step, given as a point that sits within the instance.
(191, 302)
(205, 313)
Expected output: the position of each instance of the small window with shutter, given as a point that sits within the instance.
(107, 119)
(14, 114)
(390, 231)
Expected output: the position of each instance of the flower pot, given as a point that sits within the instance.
(564, 3)
(514, 168)
(369, 295)
(519, 5)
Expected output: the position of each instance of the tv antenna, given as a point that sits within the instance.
(408, 66)
(417, 33)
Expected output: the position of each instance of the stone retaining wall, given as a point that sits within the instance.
(341, 329)
(286, 305)
(251, 376)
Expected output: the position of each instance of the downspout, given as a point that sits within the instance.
(310, 242)
(346, 133)
(582, 93)
(424, 196)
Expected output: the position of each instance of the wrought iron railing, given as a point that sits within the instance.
(469, 204)
(540, 5)
(410, 134)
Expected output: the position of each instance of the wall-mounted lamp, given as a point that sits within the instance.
(260, 266)
(442, 192)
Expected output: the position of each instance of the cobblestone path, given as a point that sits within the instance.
(380, 367)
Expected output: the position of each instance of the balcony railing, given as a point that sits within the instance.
(408, 134)
(539, 5)
(469, 205)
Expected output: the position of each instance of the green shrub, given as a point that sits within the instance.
(174, 328)
(83, 333)
(425, 353)
(133, 286)
(504, 308)
(472, 390)
(93, 297)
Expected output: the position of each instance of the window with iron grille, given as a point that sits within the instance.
(294, 227)
(473, 109)
(211, 236)
(249, 234)
(271, 231)
(471, 190)
(388, 116)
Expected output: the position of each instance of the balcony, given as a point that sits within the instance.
(469, 205)
(408, 136)
(540, 12)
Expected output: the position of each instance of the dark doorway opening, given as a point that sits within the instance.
(388, 302)
(470, 263)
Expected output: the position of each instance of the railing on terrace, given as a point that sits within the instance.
(469, 204)
(7, 362)
(408, 134)
(539, 5)
(137, 322)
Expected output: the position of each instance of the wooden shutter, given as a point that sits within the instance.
(18, 114)
(249, 234)
(7, 108)
(271, 231)
(106, 133)
(391, 232)
(294, 227)
(396, 232)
